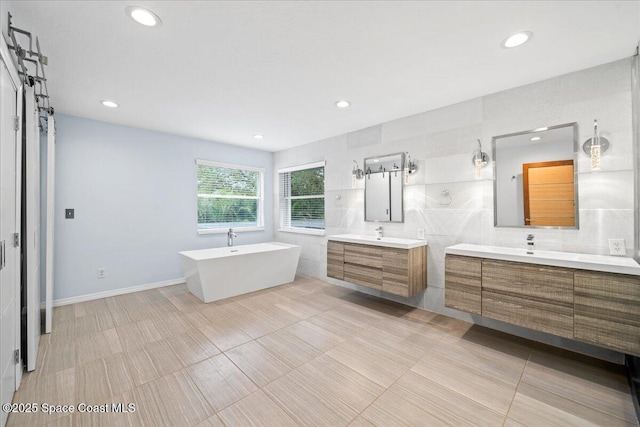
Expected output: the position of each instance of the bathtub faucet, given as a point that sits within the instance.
(230, 236)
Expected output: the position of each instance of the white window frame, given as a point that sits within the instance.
(260, 198)
(286, 211)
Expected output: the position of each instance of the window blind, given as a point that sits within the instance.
(302, 197)
(229, 196)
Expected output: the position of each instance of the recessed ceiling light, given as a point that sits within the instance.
(143, 16)
(536, 138)
(517, 39)
(540, 129)
(109, 104)
(258, 136)
(343, 104)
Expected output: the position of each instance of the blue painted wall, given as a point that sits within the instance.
(134, 195)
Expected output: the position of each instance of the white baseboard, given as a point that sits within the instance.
(114, 292)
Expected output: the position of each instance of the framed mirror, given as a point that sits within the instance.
(383, 185)
(535, 178)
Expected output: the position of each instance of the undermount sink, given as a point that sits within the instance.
(611, 264)
(389, 242)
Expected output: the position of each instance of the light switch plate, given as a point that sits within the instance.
(617, 247)
(421, 233)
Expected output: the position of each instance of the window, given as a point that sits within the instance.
(302, 198)
(229, 196)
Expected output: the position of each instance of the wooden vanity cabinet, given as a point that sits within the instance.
(463, 283)
(589, 306)
(607, 310)
(400, 272)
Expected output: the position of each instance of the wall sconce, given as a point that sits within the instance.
(594, 147)
(409, 167)
(480, 159)
(356, 173)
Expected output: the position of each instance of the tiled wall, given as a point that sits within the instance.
(443, 142)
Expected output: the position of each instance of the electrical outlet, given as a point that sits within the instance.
(617, 247)
(421, 233)
(102, 273)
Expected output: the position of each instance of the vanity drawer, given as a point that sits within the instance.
(607, 310)
(551, 284)
(362, 275)
(370, 256)
(534, 314)
(395, 271)
(404, 271)
(335, 260)
(463, 283)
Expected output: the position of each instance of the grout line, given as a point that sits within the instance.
(396, 380)
(195, 383)
(284, 409)
(567, 397)
(241, 370)
(383, 391)
(219, 418)
(517, 387)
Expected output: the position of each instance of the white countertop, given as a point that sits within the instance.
(389, 242)
(610, 264)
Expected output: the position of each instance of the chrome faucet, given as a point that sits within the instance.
(379, 232)
(530, 244)
(230, 236)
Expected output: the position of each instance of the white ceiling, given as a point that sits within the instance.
(224, 71)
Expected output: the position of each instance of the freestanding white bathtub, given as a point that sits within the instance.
(218, 273)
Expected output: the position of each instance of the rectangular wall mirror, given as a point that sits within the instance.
(383, 184)
(535, 178)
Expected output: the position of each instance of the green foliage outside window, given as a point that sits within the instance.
(307, 212)
(228, 197)
(307, 182)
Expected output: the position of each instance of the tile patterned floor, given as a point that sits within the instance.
(307, 353)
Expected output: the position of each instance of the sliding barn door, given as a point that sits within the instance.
(9, 225)
(51, 158)
(549, 193)
(31, 237)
